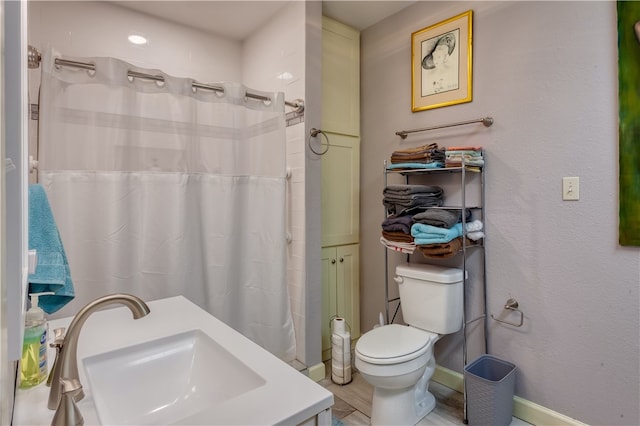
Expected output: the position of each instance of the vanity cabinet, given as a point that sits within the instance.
(340, 291)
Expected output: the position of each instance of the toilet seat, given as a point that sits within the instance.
(393, 344)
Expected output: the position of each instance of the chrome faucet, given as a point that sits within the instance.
(65, 370)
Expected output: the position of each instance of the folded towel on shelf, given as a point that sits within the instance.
(408, 248)
(413, 200)
(398, 223)
(412, 189)
(422, 154)
(412, 165)
(457, 160)
(427, 234)
(438, 217)
(467, 152)
(52, 270)
(423, 157)
(464, 148)
(432, 145)
(442, 250)
(415, 204)
(399, 198)
(468, 157)
(397, 236)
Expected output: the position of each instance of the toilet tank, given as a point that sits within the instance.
(431, 297)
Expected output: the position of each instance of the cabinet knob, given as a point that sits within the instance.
(341, 259)
(333, 261)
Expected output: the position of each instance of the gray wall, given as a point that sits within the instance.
(547, 73)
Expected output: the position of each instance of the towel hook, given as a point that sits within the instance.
(512, 305)
(312, 134)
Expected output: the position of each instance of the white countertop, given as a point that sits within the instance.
(287, 397)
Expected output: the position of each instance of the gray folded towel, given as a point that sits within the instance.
(412, 189)
(398, 223)
(438, 217)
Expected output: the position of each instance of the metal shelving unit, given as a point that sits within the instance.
(477, 212)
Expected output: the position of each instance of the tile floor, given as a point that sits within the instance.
(353, 403)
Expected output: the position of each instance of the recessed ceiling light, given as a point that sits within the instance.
(137, 39)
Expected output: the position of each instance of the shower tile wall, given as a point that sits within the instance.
(271, 60)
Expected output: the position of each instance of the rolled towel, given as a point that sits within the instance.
(475, 235)
(474, 230)
(474, 225)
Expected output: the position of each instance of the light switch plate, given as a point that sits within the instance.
(570, 188)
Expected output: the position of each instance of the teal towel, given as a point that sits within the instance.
(426, 234)
(431, 165)
(52, 270)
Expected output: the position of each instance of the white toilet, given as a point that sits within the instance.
(398, 359)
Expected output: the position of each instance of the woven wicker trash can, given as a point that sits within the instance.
(490, 382)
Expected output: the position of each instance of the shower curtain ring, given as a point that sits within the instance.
(312, 134)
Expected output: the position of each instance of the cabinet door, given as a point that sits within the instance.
(329, 304)
(341, 191)
(348, 283)
(340, 78)
(340, 291)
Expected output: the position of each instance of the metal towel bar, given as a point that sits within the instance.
(487, 121)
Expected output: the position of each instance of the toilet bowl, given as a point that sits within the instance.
(398, 361)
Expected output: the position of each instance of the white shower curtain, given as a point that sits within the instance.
(160, 189)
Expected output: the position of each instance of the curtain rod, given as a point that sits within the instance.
(34, 59)
(487, 121)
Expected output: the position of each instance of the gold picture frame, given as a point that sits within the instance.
(441, 63)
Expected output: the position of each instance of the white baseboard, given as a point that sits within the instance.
(317, 372)
(523, 409)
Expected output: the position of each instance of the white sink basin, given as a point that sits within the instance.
(178, 365)
(165, 380)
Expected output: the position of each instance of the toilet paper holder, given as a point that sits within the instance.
(511, 305)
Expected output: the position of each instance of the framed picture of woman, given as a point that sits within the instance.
(441, 63)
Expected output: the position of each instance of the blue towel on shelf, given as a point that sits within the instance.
(424, 234)
(431, 165)
(52, 269)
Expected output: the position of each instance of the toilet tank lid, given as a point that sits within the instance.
(426, 272)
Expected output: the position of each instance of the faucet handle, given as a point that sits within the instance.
(68, 413)
(58, 337)
(58, 343)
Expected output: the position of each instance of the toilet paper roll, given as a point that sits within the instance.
(339, 325)
(341, 358)
(341, 372)
(342, 376)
